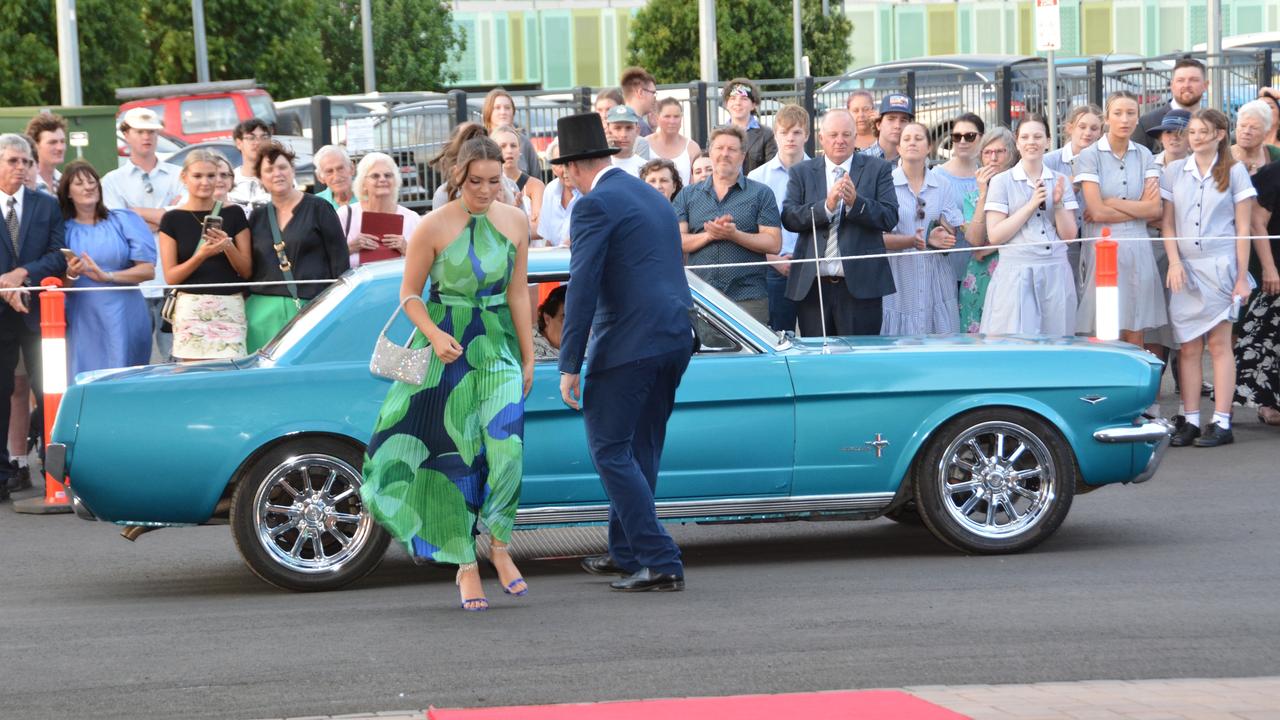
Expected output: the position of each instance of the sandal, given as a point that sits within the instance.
(509, 588)
(470, 604)
(1268, 415)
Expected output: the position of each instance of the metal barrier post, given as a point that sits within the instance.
(53, 363)
(321, 118)
(584, 99)
(458, 106)
(909, 86)
(698, 96)
(1004, 91)
(1095, 82)
(811, 106)
(1264, 72)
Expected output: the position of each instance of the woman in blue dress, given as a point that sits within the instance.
(106, 329)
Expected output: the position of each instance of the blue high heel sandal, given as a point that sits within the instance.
(509, 587)
(470, 604)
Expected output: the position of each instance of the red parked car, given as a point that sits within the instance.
(196, 112)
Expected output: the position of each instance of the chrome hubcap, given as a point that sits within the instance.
(998, 479)
(308, 514)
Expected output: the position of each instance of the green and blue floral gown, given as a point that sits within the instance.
(449, 452)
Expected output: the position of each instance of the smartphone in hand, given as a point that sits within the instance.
(68, 254)
(211, 222)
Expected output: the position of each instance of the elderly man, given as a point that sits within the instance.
(30, 251)
(250, 136)
(729, 218)
(335, 169)
(146, 186)
(1187, 87)
(849, 199)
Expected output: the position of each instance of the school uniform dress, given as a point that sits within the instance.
(1205, 221)
(1063, 160)
(1031, 290)
(926, 302)
(1141, 288)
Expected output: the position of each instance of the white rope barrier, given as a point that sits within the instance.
(712, 266)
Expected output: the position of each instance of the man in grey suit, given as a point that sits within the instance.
(30, 251)
(849, 199)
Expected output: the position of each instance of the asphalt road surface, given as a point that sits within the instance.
(1179, 577)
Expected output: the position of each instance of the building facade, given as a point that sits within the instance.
(567, 43)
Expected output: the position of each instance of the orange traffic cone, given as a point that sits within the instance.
(1107, 299)
(53, 360)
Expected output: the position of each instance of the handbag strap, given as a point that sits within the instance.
(286, 267)
(217, 209)
(396, 314)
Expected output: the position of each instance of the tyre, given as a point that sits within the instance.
(997, 480)
(298, 520)
(906, 514)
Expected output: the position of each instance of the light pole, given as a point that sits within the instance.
(707, 40)
(68, 53)
(202, 48)
(795, 37)
(366, 32)
(1214, 56)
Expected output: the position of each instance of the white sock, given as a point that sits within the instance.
(21, 460)
(1223, 420)
(1193, 417)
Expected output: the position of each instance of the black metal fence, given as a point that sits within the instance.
(414, 127)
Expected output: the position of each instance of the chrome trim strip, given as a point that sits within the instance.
(82, 511)
(1152, 431)
(1153, 463)
(677, 509)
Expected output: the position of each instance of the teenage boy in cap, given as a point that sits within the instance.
(623, 129)
(896, 110)
(146, 186)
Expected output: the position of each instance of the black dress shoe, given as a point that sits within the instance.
(602, 565)
(1184, 433)
(4, 493)
(647, 579)
(1214, 436)
(19, 478)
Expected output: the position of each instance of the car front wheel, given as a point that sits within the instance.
(298, 520)
(997, 480)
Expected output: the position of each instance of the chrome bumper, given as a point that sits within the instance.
(1159, 432)
(55, 463)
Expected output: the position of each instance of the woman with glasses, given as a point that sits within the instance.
(929, 216)
(248, 191)
(1120, 190)
(1029, 210)
(997, 154)
(377, 187)
(961, 171)
(112, 248)
(296, 237)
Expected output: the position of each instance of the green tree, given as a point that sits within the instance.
(28, 53)
(753, 39)
(414, 43)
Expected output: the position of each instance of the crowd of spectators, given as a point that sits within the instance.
(249, 242)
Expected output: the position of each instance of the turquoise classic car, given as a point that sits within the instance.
(986, 440)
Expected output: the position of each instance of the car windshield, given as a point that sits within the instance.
(306, 320)
(759, 331)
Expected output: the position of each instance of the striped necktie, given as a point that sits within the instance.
(11, 222)
(833, 244)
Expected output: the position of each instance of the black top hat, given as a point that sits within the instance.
(582, 138)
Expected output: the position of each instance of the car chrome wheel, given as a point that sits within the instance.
(998, 479)
(308, 516)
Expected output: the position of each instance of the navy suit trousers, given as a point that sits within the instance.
(626, 409)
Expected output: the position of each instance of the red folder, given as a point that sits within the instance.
(380, 225)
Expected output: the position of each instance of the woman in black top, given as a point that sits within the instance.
(208, 322)
(313, 248)
(1258, 349)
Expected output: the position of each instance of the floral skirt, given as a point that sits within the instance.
(208, 326)
(1258, 353)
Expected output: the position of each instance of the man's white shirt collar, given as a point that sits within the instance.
(4, 202)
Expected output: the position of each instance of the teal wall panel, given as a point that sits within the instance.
(966, 29)
(557, 62)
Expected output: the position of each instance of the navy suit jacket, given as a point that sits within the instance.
(40, 244)
(627, 288)
(862, 226)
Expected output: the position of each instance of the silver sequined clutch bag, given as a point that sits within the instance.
(398, 362)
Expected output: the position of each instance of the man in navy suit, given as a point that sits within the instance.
(627, 309)
(30, 251)
(849, 198)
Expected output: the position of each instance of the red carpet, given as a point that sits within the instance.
(863, 705)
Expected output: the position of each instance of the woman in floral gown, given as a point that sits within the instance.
(997, 154)
(447, 455)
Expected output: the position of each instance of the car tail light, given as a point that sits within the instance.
(1016, 108)
(541, 142)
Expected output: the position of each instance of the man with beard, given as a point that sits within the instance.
(1187, 87)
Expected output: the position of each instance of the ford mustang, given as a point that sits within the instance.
(985, 440)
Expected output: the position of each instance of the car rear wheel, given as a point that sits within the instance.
(998, 480)
(298, 520)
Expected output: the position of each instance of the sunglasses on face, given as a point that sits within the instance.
(919, 208)
(966, 137)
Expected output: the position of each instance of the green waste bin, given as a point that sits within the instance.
(99, 121)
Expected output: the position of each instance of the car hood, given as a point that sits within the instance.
(165, 370)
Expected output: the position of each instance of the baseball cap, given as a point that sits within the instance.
(1174, 120)
(623, 114)
(141, 118)
(897, 103)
